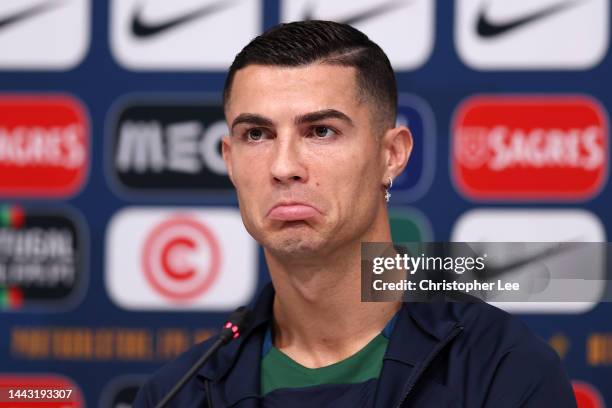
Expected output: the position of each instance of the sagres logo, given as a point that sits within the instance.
(182, 34)
(539, 263)
(532, 34)
(49, 390)
(42, 259)
(388, 23)
(43, 34)
(529, 147)
(44, 145)
(587, 396)
(157, 146)
(180, 258)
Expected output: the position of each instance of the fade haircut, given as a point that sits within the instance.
(326, 42)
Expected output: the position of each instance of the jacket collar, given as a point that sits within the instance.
(222, 361)
(420, 331)
(233, 372)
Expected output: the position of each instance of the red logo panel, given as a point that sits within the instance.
(587, 396)
(181, 258)
(39, 390)
(530, 147)
(44, 145)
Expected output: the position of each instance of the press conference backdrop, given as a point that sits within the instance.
(120, 239)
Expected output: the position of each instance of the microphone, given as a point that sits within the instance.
(237, 323)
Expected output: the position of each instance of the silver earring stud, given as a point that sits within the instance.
(387, 188)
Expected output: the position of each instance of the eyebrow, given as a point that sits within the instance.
(321, 115)
(258, 120)
(252, 119)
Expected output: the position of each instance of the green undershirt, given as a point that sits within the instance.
(279, 371)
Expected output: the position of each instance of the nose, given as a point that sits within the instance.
(287, 165)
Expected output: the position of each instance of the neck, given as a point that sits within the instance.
(319, 318)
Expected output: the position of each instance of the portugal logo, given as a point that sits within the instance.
(181, 258)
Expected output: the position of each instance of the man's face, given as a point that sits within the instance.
(303, 157)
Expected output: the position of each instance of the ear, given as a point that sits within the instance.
(397, 146)
(226, 150)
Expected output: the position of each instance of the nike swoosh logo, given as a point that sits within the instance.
(360, 16)
(493, 272)
(488, 30)
(144, 30)
(27, 13)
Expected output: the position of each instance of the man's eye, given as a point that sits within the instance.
(323, 131)
(255, 134)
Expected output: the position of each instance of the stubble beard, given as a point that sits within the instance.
(295, 243)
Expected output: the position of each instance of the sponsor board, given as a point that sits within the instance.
(158, 144)
(183, 34)
(180, 259)
(388, 23)
(561, 344)
(43, 259)
(409, 225)
(532, 35)
(43, 34)
(44, 145)
(539, 230)
(529, 147)
(599, 349)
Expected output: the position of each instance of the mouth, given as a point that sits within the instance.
(292, 212)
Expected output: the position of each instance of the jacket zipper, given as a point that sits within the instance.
(208, 395)
(429, 359)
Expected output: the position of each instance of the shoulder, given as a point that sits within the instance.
(516, 364)
(163, 379)
(494, 331)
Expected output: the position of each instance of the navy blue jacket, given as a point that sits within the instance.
(443, 354)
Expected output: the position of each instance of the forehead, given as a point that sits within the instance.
(293, 90)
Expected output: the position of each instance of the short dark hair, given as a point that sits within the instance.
(305, 42)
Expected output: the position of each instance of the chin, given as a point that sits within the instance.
(294, 244)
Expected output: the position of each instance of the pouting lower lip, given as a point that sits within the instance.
(292, 212)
